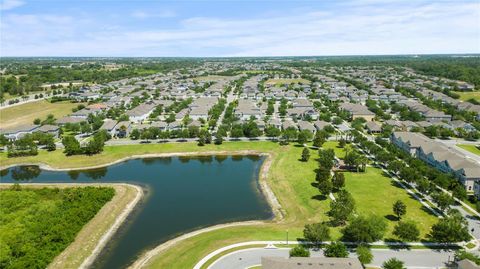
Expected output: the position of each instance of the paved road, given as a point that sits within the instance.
(413, 259)
(473, 223)
(30, 99)
(455, 141)
(116, 142)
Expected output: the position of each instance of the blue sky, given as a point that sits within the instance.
(237, 28)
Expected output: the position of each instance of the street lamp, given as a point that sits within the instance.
(287, 237)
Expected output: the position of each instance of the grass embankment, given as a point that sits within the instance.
(471, 148)
(37, 224)
(90, 235)
(290, 179)
(11, 117)
(464, 96)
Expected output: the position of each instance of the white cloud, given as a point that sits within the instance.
(139, 14)
(11, 4)
(443, 27)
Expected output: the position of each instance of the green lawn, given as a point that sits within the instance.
(290, 179)
(375, 193)
(25, 114)
(471, 148)
(339, 152)
(464, 96)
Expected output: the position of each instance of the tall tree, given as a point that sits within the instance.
(399, 208)
(342, 208)
(406, 231)
(316, 233)
(338, 180)
(305, 155)
(453, 228)
(365, 229)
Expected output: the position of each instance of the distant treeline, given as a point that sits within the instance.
(457, 67)
(24, 76)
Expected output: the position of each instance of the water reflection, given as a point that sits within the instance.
(96, 173)
(237, 158)
(25, 172)
(4, 172)
(73, 174)
(220, 158)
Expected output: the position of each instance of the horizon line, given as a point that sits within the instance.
(277, 56)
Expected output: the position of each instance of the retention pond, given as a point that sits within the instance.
(182, 194)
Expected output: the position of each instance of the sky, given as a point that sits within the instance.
(224, 28)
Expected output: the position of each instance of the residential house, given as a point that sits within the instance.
(438, 155)
(49, 129)
(373, 127)
(18, 132)
(247, 109)
(141, 112)
(123, 129)
(69, 119)
(310, 263)
(358, 111)
(109, 126)
(320, 124)
(306, 126)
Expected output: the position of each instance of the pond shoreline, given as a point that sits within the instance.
(144, 259)
(265, 189)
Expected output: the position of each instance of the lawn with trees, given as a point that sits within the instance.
(375, 193)
(37, 224)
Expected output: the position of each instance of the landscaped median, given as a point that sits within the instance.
(289, 179)
(94, 235)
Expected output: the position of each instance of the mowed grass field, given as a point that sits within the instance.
(471, 148)
(25, 114)
(375, 193)
(464, 96)
(290, 179)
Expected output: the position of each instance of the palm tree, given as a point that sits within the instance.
(362, 161)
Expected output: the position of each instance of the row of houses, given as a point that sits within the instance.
(18, 132)
(443, 158)
(431, 115)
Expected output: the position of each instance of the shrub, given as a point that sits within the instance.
(299, 251)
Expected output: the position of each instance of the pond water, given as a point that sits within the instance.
(182, 194)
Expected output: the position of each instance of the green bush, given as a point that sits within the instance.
(38, 224)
